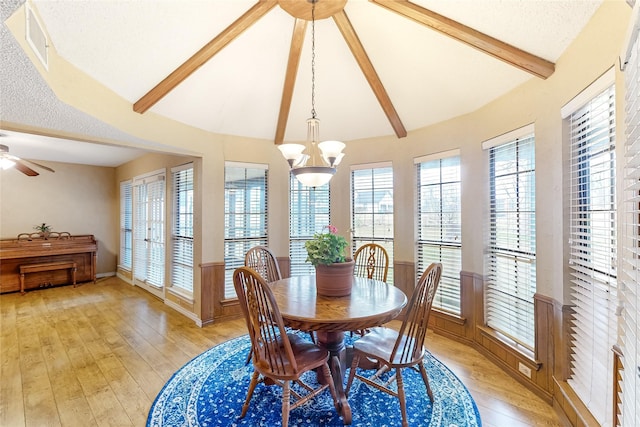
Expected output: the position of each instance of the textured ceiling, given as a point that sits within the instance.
(27, 100)
(131, 45)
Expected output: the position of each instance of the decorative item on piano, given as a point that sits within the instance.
(43, 229)
(43, 232)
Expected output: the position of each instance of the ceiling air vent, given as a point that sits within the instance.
(37, 38)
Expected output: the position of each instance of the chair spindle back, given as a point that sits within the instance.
(263, 261)
(272, 352)
(371, 262)
(409, 344)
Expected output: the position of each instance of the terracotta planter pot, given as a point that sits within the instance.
(335, 280)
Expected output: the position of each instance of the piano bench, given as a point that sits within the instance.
(47, 266)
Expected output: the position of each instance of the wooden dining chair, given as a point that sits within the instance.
(400, 349)
(280, 356)
(371, 262)
(265, 263)
(262, 260)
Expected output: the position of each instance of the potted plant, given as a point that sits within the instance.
(43, 229)
(334, 271)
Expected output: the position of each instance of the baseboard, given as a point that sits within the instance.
(569, 404)
(124, 278)
(184, 312)
(109, 274)
(507, 358)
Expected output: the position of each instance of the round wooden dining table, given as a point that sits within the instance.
(371, 303)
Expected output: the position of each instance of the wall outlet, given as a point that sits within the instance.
(524, 369)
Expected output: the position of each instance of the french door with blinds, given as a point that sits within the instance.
(308, 214)
(511, 254)
(372, 208)
(148, 232)
(592, 247)
(439, 224)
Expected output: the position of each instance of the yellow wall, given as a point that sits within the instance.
(76, 198)
(537, 101)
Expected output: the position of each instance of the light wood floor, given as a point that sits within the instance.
(99, 354)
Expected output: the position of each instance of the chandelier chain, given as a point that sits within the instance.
(313, 59)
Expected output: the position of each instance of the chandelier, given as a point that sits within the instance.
(315, 163)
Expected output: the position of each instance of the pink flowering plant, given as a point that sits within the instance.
(327, 247)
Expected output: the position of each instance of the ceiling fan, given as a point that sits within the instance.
(8, 160)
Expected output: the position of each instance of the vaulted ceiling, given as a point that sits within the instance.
(243, 67)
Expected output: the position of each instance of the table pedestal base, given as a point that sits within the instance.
(334, 343)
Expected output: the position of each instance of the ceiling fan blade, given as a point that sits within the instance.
(38, 165)
(203, 55)
(18, 159)
(24, 168)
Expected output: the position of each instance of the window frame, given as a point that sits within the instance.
(309, 213)
(125, 259)
(449, 251)
(629, 259)
(182, 230)
(251, 234)
(509, 252)
(358, 237)
(591, 257)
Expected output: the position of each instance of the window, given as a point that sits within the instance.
(372, 208)
(308, 214)
(182, 232)
(126, 224)
(511, 256)
(245, 215)
(148, 231)
(592, 251)
(630, 271)
(439, 238)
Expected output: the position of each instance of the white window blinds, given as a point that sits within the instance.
(148, 230)
(592, 247)
(245, 216)
(182, 231)
(511, 256)
(308, 214)
(372, 209)
(630, 264)
(126, 224)
(439, 227)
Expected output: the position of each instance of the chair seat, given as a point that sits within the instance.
(378, 344)
(307, 356)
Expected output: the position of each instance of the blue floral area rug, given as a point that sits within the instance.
(210, 390)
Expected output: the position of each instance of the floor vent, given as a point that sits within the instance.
(37, 38)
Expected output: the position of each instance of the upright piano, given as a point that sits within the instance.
(33, 250)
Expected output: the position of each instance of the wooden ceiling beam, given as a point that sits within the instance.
(511, 55)
(203, 55)
(344, 24)
(297, 40)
